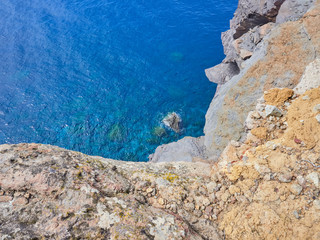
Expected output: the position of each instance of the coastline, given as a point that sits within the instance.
(252, 29)
(253, 175)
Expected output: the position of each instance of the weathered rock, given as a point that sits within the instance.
(248, 15)
(185, 150)
(313, 178)
(296, 189)
(173, 121)
(292, 10)
(60, 194)
(236, 98)
(260, 132)
(222, 73)
(310, 78)
(267, 204)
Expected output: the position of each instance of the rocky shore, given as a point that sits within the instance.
(269, 45)
(253, 175)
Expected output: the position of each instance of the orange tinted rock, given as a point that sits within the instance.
(260, 132)
(277, 96)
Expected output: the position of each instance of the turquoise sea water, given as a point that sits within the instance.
(98, 76)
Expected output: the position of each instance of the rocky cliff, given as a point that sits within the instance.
(253, 175)
(269, 45)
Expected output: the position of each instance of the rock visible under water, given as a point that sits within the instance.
(117, 133)
(173, 121)
(159, 131)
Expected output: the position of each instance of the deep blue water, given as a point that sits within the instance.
(98, 76)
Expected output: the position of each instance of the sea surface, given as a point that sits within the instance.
(98, 76)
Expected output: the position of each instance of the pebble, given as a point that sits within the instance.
(189, 206)
(301, 180)
(316, 108)
(316, 204)
(285, 177)
(314, 178)
(174, 207)
(211, 187)
(162, 201)
(208, 211)
(206, 202)
(295, 189)
(225, 196)
(296, 214)
(306, 97)
(318, 118)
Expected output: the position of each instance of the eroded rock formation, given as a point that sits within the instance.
(268, 56)
(261, 135)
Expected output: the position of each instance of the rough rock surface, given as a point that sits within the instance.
(274, 178)
(268, 56)
(50, 193)
(187, 149)
(264, 185)
(292, 10)
(267, 187)
(222, 73)
(311, 77)
(279, 61)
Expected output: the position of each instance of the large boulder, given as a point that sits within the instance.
(186, 150)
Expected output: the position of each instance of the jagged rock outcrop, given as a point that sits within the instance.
(252, 21)
(273, 55)
(279, 61)
(261, 134)
(267, 187)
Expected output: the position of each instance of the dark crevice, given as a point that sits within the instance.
(256, 19)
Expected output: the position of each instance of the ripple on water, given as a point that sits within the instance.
(99, 76)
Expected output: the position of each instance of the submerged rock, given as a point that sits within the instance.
(159, 131)
(173, 121)
(117, 133)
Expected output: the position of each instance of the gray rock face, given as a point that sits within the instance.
(224, 122)
(248, 15)
(292, 10)
(253, 13)
(183, 150)
(222, 72)
(311, 77)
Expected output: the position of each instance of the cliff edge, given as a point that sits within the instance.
(255, 174)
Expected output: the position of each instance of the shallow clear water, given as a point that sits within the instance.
(98, 76)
